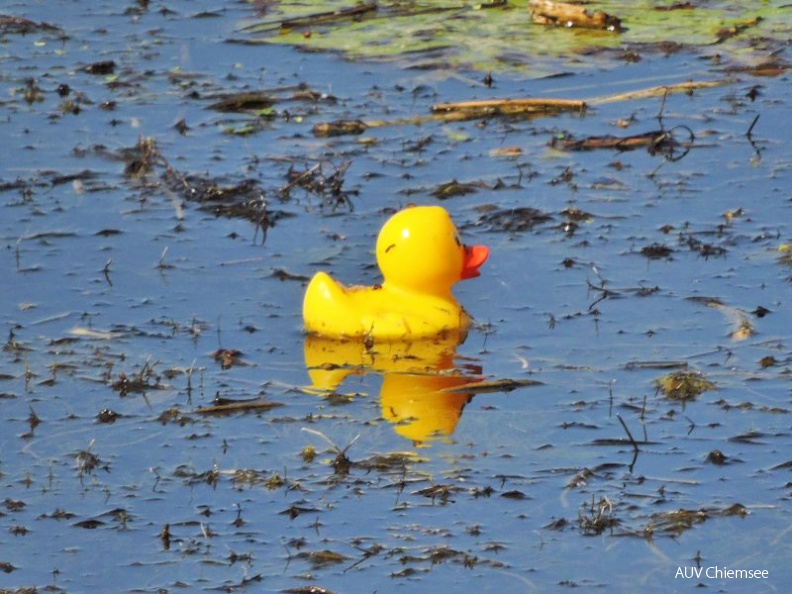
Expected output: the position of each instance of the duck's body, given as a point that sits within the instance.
(421, 258)
(381, 312)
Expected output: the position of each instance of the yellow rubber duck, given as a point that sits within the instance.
(421, 257)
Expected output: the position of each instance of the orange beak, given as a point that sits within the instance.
(475, 256)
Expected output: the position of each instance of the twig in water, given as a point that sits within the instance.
(632, 441)
(749, 136)
(685, 87)
(604, 293)
(511, 106)
(662, 108)
(162, 264)
(341, 464)
(751, 127)
(629, 435)
(106, 272)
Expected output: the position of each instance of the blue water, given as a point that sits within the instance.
(182, 283)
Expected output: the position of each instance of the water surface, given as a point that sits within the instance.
(120, 287)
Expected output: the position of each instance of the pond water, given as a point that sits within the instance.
(138, 284)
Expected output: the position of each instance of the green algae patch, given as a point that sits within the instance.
(499, 35)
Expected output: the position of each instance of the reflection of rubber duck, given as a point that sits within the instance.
(330, 361)
(424, 407)
(421, 258)
(422, 392)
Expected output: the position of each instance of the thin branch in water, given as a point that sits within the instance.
(749, 136)
(629, 435)
(341, 464)
(106, 272)
(331, 442)
(662, 108)
(751, 127)
(685, 87)
(162, 264)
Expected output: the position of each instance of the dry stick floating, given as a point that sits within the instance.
(658, 141)
(543, 106)
(609, 142)
(237, 406)
(659, 91)
(467, 110)
(485, 387)
(511, 106)
(455, 112)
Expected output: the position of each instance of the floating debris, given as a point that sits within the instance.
(488, 387)
(94, 334)
(657, 251)
(107, 416)
(717, 458)
(341, 463)
(491, 107)
(174, 415)
(683, 385)
(596, 517)
(768, 361)
(454, 188)
(330, 187)
(655, 364)
(339, 128)
(87, 462)
(23, 26)
(143, 381)
(674, 523)
(322, 559)
(245, 199)
(242, 102)
(308, 590)
(391, 462)
(740, 320)
(227, 358)
(513, 220)
(562, 14)
(725, 33)
(103, 68)
(656, 142)
(223, 406)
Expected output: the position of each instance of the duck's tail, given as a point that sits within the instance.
(322, 298)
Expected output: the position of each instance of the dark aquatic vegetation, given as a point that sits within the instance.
(514, 220)
(596, 518)
(315, 181)
(172, 178)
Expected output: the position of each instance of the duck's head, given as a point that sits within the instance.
(419, 250)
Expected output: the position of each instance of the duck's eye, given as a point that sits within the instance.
(390, 247)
